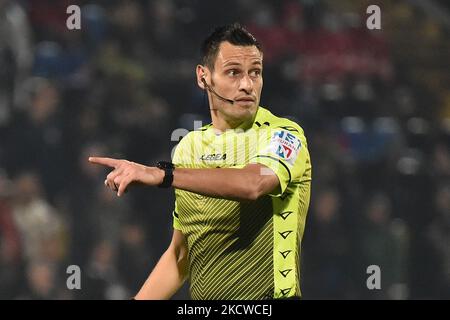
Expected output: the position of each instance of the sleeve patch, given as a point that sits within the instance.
(285, 145)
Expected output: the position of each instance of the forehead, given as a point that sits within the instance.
(232, 54)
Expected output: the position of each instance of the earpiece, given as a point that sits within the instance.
(214, 92)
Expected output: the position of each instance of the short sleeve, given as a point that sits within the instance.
(176, 221)
(177, 152)
(285, 153)
(177, 160)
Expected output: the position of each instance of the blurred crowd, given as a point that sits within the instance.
(375, 106)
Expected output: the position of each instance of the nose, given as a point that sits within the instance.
(246, 84)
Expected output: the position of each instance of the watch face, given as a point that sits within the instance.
(165, 165)
(168, 168)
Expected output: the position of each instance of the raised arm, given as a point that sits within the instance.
(248, 183)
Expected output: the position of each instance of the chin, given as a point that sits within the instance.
(244, 112)
(252, 106)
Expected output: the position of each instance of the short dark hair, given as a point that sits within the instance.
(233, 33)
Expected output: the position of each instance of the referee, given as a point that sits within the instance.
(242, 187)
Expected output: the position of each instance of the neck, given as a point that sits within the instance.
(221, 123)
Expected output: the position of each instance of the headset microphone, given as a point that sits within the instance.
(212, 90)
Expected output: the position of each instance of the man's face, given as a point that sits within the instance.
(237, 75)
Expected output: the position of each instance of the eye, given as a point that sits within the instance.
(232, 72)
(255, 73)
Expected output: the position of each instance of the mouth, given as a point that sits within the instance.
(246, 100)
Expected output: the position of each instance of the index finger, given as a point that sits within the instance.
(110, 162)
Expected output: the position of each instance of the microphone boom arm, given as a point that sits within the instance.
(215, 93)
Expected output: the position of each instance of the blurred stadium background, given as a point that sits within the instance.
(375, 106)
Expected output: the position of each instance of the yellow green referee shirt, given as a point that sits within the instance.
(246, 250)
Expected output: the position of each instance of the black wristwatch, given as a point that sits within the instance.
(168, 168)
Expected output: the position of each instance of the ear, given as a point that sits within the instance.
(202, 72)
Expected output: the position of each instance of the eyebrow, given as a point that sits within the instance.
(234, 63)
